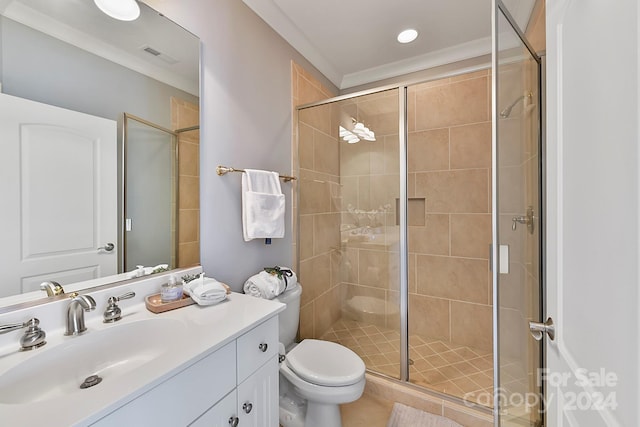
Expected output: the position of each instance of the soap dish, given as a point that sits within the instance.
(155, 305)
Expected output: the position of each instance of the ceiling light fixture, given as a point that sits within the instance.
(407, 36)
(123, 10)
(348, 136)
(360, 131)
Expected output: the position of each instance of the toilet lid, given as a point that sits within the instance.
(325, 363)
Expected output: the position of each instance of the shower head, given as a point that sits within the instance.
(507, 111)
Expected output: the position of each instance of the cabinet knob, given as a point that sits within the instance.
(233, 421)
(263, 347)
(247, 407)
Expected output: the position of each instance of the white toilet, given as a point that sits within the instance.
(316, 376)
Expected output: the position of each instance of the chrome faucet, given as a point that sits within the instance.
(52, 288)
(32, 338)
(75, 313)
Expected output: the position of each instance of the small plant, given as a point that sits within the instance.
(159, 270)
(280, 272)
(189, 277)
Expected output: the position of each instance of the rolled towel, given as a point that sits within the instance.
(206, 291)
(270, 282)
(141, 270)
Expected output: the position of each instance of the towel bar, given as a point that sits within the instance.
(221, 170)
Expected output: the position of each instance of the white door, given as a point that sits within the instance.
(592, 212)
(59, 194)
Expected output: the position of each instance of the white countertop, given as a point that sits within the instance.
(206, 330)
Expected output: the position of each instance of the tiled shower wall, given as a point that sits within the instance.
(450, 168)
(449, 150)
(449, 211)
(318, 217)
(183, 115)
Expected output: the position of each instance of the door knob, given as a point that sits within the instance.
(538, 329)
(247, 407)
(233, 421)
(107, 248)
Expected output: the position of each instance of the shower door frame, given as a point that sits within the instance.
(498, 8)
(122, 184)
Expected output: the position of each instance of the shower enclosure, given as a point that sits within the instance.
(150, 194)
(419, 228)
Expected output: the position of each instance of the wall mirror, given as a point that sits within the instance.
(100, 141)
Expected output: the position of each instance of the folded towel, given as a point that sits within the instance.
(141, 271)
(270, 282)
(262, 205)
(206, 291)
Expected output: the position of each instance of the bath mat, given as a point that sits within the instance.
(406, 416)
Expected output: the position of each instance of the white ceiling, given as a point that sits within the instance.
(82, 24)
(353, 42)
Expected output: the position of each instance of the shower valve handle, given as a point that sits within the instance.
(524, 219)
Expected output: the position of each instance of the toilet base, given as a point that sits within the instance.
(291, 413)
(322, 415)
(292, 407)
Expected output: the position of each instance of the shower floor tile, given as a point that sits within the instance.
(457, 370)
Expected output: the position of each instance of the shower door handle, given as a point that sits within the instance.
(538, 329)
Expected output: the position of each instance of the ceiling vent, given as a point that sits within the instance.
(152, 51)
(166, 58)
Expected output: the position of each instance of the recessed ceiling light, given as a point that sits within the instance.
(124, 10)
(407, 36)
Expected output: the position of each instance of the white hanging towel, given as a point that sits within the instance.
(262, 205)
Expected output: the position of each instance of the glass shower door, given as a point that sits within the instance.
(517, 168)
(150, 208)
(449, 233)
(349, 216)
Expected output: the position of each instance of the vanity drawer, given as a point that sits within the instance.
(183, 397)
(256, 347)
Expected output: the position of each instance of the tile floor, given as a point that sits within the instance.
(368, 411)
(445, 367)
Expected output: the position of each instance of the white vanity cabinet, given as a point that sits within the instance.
(256, 397)
(253, 404)
(222, 414)
(237, 385)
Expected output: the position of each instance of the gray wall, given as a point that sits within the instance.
(245, 123)
(41, 68)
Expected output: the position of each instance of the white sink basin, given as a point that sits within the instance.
(109, 353)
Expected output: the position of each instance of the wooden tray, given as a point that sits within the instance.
(155, 305)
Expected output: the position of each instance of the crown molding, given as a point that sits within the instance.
(437, 58)
(280, 23)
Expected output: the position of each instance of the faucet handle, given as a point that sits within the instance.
(33, 336)
(113, 313)
(126, 295)
(12, 327)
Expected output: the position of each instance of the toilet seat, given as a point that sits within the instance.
(325, 363)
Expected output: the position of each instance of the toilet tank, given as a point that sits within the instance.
(289, 318)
